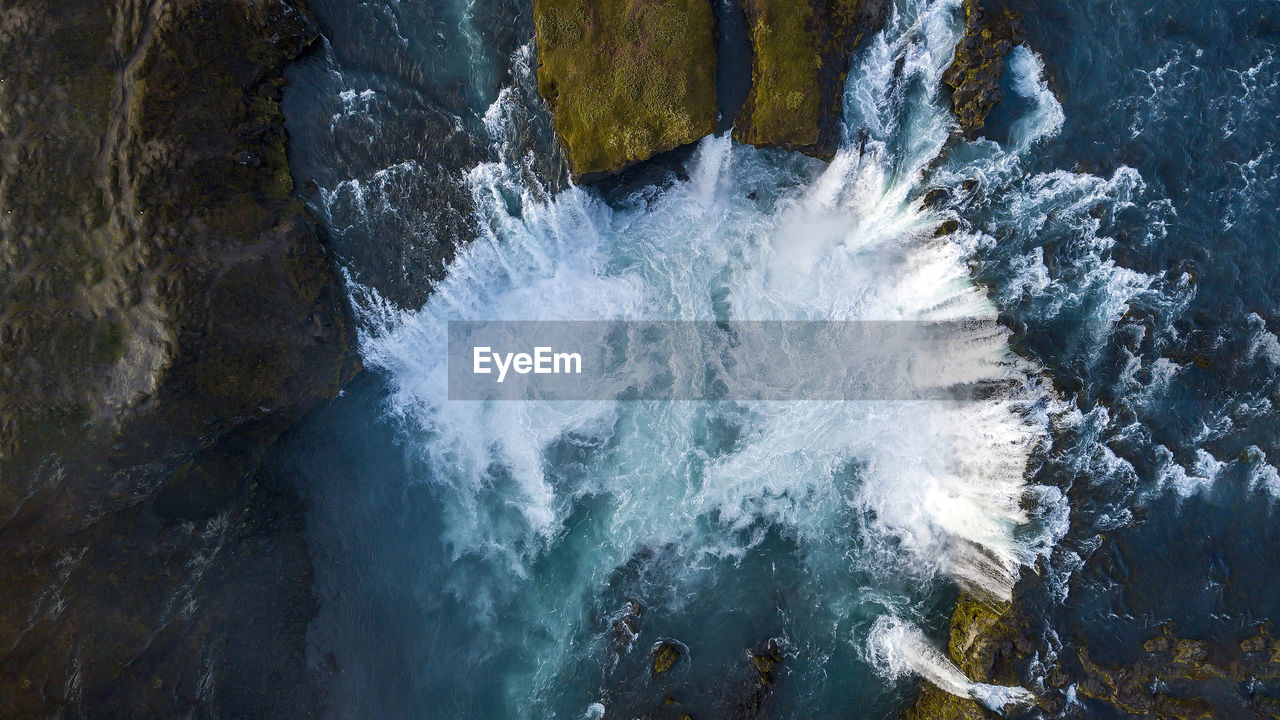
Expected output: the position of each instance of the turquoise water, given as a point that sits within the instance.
(488, 561)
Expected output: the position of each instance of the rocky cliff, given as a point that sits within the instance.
(801, 53)
(626, 79)
(166, 310)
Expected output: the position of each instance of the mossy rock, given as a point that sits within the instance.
(626, 79)
(665, 656)
(801, 51)
(935, 704)
(987, 637)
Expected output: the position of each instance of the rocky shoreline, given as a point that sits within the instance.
(169, 310)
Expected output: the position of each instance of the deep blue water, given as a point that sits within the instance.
(474, 563)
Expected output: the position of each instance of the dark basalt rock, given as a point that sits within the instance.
(992, 29)
(166, 311)
(752, 698)
(1176, 678)
(765, 660)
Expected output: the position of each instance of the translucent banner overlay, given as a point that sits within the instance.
(728, 361)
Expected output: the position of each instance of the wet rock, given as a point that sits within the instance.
(752, 698)
(1190, 651)
(936, 197)
(1256, 643)
(947, 227)
(935, 704)
(1180, 678)
(1177, 678)
(992, 29)
(664, 656)
(626, 626)
(987, 640)
(765, 660)
(626, 79)
(801, 51)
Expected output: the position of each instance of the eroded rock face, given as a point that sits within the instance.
(166, 310)
(626, 79)
(992, 29)
(801, 52)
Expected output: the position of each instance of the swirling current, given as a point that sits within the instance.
(497, 560)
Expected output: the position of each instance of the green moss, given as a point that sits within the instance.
(935, 704)
(982, 641)
(665, 657)
(109, 342)
(626, 79)
(801, 52)
(974, 75)
(785, 99)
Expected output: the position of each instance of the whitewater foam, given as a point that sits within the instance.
(898, 648)
(938, 488)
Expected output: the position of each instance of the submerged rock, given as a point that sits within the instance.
(626, 626)
(1186, 678)
(801, 50)
(626, 79)
(765, 660)
(991, 30)
(752, 698)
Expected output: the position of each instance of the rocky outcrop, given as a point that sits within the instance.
(985, 642)
(800, 58)
(991, 30)
(1176, 677)
(626, 79)
(664, 656)
(1181, 678)
(166, 310)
